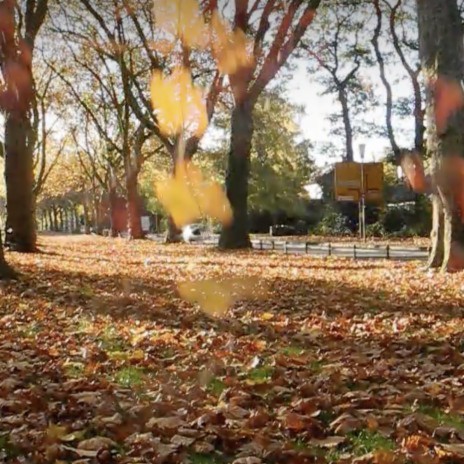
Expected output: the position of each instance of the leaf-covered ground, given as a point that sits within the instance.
(336, 361)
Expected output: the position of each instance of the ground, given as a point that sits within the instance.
(318, 360)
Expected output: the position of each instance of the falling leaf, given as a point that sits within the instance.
(449, 98)
(230, 48)
(413, 168)
(181, 19)
(216, 296)
(178, 103)
(188, 197)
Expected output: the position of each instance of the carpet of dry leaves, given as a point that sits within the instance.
(329, 361)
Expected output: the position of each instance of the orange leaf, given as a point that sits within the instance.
(449, 98)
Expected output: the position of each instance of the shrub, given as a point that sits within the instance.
(333, 223)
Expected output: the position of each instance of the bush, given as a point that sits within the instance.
(375, 230)
(333, 223)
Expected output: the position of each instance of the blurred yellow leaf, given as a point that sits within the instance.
(231, 49)
(216, 296)
(187, 196)
(182, 19)
(178, 103)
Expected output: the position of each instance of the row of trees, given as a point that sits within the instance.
(80, 127)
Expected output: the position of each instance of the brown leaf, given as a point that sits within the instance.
(172, 422)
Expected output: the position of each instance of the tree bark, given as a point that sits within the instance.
(114, 230)
(173, 233)
(441, 51)
(21, 229)
(134, 220)
(55, 219)
(347, 125)
(236, 234)
(86, 217)
(6, 271)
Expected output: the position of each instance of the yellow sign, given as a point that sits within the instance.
(349, 186)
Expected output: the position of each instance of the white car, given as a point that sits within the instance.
(192, 233)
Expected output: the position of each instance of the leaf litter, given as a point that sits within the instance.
(102, 360)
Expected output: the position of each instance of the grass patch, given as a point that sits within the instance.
(216, 386)
(444, 419)
(317, 365)
(366, 441)
(260, 374)
(129, 376)
(300, 445)
(74, 369)
(201, 458)
(30, 330)
(110, 341)
(293, 351)
(333, 456)
(7, 449)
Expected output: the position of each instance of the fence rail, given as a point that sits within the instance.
(328, 249)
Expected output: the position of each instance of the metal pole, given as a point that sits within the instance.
(362, 148)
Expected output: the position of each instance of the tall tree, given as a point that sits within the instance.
(276, 29)
(137, 44)
(402, 36)
(19, 28)
(338, 51)
(442, 53)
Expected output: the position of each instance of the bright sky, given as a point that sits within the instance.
(303, 89)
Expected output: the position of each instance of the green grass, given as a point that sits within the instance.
(8, 449)
(317, 365)
(333, 456)
(30, 330)
(129, 376)
(300, 445)
(201, 458)
(366, 441)
(260, 374)
(86, 290)
(74, 369)
(216, 386)
(110, 341)
(293, 351)
(444, 419)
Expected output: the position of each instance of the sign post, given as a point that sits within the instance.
(362, 204)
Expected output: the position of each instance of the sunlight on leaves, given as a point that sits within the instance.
(178, 103)
(188, 196)
(216, 296)
(231, 49)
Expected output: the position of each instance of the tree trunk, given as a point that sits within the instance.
(441, 51)
(66, 221)
(61, 216)
(86, 218)
(436, 235)
(383, 77)
(55, 219)
(347, 125)
(173, 233)
(50, 219)
(134, 220)
(235, 235)
(21, 232)
(114, 230)
(6, 271)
